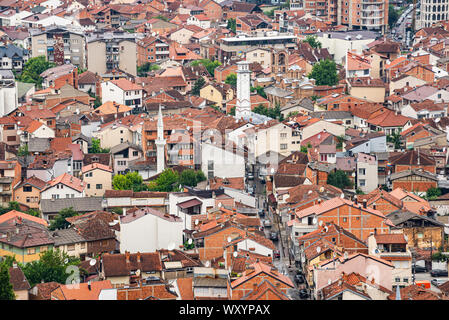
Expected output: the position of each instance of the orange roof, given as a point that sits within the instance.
(185, 286)
(96, 165)
(259, 268)
(110, 107)
(81, 291)
(68, 180)
(395, 62)
(17, 214)
(126, 85)
(33, 126)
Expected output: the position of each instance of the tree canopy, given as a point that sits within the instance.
(60, 221)
(130, 181)
(6, 289)
(14, 205)
(313, 41)
(339, 179)
(197, 86)
(231, 79)
(95, 147)
(274, 113)
(52, 266)
(433, 193)
(167, 181)
(260, 91)
(32, 70)
(142, 71)
(324, 73)
(232, 25)
(208, 64)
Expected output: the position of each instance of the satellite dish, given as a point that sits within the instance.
(325, 228)
(319, 223)
(207, 264)
(334, 255)
(314, 221)
(66, 260)
(229, 239)
(342, 195)
(93, 262)
(190, 241)
(329, 281)
(318, 249)
(138, 272)
(353, 174)
(171, 246)
(220, 205)
(197, 221)
(322, 189)
(235, 254)
(376, 251)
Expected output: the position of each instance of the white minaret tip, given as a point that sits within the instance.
(160, 143)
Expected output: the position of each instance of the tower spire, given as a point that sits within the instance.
(160, 143)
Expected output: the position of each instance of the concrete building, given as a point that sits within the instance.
(60, 45)
(367, 178)
(122, 91)
(8, 92)
(111, 51)
(432, 11)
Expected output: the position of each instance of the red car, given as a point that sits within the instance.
(276, 254)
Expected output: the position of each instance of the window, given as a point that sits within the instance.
(284, 135)
(362, 171)
(397, 279)
(71, 247)
(135, 153)
(44, 248)
(11, 138)
(99, 186)
(83, 245)
(31, 251)
(88, 186)
(362, 182)
(283, 146)
(27, 189)
(345, 219)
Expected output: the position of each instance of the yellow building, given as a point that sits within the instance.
(98, 179)
(220, 94)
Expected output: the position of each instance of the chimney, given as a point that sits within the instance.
(138, 257)
(88, 286)
(127, 256)
(374, 206)
(355, 200)
(364, 203)
(375, 230)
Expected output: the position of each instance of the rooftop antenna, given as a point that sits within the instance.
(92, 262)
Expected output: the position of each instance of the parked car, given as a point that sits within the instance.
(250, 176)
(274, 236)
(303, 294)
(438, 273)
(418, 269)
(276, 254)
(267, 223)
(299, 279)
(437, 282)
(261, 213)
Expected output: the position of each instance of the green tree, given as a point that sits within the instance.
(269, 13)
(97, 102)
(6, 289)
(339, 179)
(324, 73)
(23, 150)
(33, 68)
(130, 181)
(197, 86)
(191, 177)
(232, 111)
(167, 181)
(396, 139)
(33, 212)
(313, 41)
(231, 79)
(95, 147)
(161, 17)
(14, 205)
(260, 91)
(51, 266)
(208, 64)
(232, 25)
(393, 15)
(292, 114)
(274, 113)
(340, 140)
(433, 193)
(60, 221)
(142, 71)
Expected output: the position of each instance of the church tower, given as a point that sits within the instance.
(160, 143)
(243, 103)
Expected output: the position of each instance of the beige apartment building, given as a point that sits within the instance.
(60, 45)
(98, 179)
(112, 51)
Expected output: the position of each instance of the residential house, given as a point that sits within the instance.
(64, 186)
(97, 175)
(122, 91)
(28, 192)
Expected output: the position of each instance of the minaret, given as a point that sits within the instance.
(160, 143)
(243, 103)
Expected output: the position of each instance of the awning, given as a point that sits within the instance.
(189, 203)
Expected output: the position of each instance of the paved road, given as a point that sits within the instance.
(426, 276)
